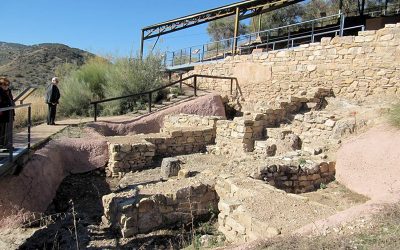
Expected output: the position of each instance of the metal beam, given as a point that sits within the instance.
(214, 14)
(236, 32)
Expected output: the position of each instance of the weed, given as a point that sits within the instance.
(394, 115)
(302, 162)
(322, 186)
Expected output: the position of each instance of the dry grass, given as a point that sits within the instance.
(39, 111)
(394, 115)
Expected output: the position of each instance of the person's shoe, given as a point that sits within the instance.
(53, 123)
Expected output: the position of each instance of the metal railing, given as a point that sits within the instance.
(220, 49)
(181, 82)
(11, 146)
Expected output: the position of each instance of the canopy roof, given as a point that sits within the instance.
(247, 8)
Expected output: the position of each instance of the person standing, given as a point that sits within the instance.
(52, 97)
(6, 100)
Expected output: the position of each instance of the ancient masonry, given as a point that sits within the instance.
(354, 67)
(181, 134)
(282, 121)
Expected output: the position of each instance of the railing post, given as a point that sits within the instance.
(288, 39)
(95, 112)
(190, 55)
(10, 134)
(195, 85)
(150, 96)
(231, 85)
(173, 58)
(202, 54)
(180, 82)
(165, 59)
(342, 17)
(312, 31)
(29, 126)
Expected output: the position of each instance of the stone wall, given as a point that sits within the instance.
(353, 66)
(241, 133)
(297, 175)
(132, 213)
(182, 134)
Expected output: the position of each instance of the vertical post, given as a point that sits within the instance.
(165, 59)
(150, 96)
(288, 38)
(236, 33)
(190, 55)
(231, 86)
(217, 50)
(180, 82)
(195, 85)
(312, 31)
(141, 45)
(202, 54)
(10, 135)
(173, 58)
(259, 23)
(169, 76)
(180, 61)
(95, 112)
(342, 17)
(29, 125)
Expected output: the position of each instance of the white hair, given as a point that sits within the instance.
(54, 79)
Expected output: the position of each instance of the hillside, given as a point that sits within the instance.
(36, 64)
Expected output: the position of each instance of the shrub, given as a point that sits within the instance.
(394, 115)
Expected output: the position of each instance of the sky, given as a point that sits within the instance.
(103, 27)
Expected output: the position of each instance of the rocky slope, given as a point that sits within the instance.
(36, 64)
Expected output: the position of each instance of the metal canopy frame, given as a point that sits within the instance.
(242, 10)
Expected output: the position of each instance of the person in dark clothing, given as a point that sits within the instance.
(6, 100)
(52, 97)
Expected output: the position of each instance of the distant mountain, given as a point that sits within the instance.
(36, 64)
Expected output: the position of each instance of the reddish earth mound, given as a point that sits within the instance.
(35, 187)
(210, 104)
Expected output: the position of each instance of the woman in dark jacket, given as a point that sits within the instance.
(6, 100)
(52, 97)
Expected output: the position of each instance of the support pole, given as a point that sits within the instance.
(141, 45)
(259, 23)
(236, 33)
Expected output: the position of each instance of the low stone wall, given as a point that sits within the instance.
(130, 157)
(297, 175)
(354, 67)
(135, 152)
(185, 120)
(133, 213)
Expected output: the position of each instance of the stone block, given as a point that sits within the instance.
(170, 167)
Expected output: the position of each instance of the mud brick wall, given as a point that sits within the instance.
(297, 176)
(133, 213)
(356, 67)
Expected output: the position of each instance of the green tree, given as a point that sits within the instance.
(278, 18)
(224, 29)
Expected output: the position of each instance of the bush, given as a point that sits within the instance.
(394, 115)
(99, 79)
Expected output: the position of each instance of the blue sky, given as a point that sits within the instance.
(101, 26)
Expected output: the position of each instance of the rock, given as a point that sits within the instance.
(272, 232)
(170, 167)
(171, 96)
(184, 173)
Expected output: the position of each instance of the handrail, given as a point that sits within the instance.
(10, 146)
(150, 92)
(31, 88)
